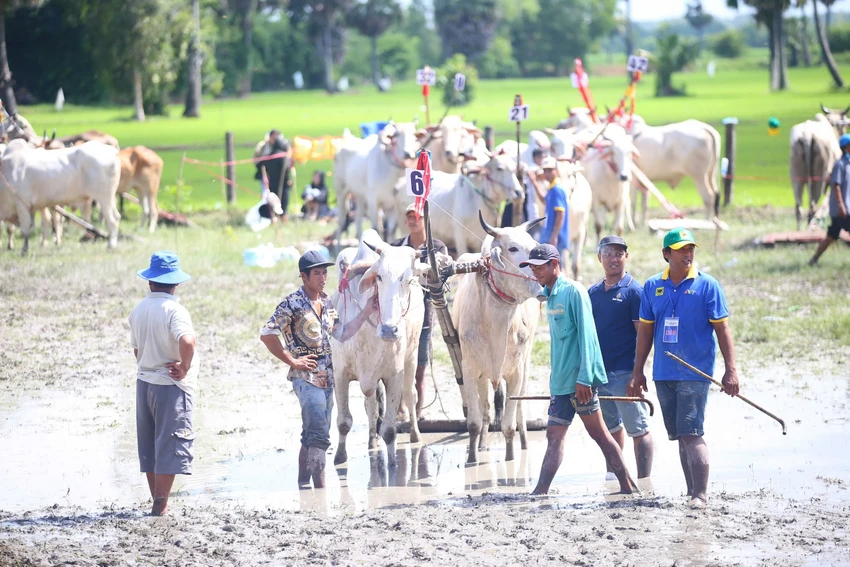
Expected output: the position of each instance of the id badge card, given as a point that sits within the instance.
(671, 329)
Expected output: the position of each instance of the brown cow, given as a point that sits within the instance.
(141, 169)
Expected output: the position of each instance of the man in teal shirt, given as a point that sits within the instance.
(577, 369)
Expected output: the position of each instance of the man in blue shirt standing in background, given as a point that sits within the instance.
(681, 310)
(839, 199)
(616, 309)
(577, 369)
(556, 231)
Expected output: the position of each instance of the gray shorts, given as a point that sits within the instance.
(164, 429)
(634, 416)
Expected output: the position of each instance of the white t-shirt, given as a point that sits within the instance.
(156, 325)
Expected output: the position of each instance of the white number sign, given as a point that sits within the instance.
(518, 113)
(415, 182)
(637, 64)
(460, 81)
(426, 76)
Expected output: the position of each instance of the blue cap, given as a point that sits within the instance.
(164, 269)
(843, 140)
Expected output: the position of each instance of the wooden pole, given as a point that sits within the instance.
(517, 204)
(86, 225)
(729, 178)
(230, 169)
(488, 138)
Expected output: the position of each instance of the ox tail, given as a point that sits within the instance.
(714, 167)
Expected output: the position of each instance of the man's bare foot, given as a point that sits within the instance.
(697, 503)
(160, 507)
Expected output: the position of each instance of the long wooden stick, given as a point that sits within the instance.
(743, 399)
(601, 398)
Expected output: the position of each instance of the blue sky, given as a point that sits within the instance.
(654, 10)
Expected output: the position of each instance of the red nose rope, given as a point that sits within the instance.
(378, 303)
(492, 282)
(344, 289)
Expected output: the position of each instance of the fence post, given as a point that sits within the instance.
(488, 137)
(729, 174)
(230, 169)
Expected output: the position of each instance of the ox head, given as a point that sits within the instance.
(578, 118)
(622, 154)
(563, 142)
(401, 140)
(500, 170)
(837, 118)
(537, 140)
(455, 134)
(507, 247)
(392, 276)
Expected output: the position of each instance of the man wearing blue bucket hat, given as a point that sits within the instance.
(163, 342)
(839, 199)
(305, 320)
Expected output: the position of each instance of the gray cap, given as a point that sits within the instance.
(613, 239)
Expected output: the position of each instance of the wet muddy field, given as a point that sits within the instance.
(72, 494)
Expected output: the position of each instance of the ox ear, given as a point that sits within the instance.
(496, 257)
(367, 282)
(528, 225)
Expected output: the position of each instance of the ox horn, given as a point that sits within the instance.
(53, 137)
(528, 225)
(373, 248)
(824, 109)
(845, 111)
(487, 228)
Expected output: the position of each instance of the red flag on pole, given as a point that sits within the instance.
(423, 165)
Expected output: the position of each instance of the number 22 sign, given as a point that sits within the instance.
(415, 182)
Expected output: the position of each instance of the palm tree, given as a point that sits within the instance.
(823, 40)
(769, 14)
(193, 95)
(372, 18)
(7, 94)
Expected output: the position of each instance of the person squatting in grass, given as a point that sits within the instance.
(681, 311)
(576, 369)
(616, 309)
(416, 240)
(839, 199)
(306, 319)
(163, 342)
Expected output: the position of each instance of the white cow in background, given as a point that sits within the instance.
(496, 316)
(537, 140)
(456, 199)
(814, 150)
(369, 169)
(448, 141)
(36, 179)
(384, 350)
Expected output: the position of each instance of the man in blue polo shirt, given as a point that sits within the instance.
(577, 369)
(556, 230)
(681, 311)
(616, 308)
(839, 199)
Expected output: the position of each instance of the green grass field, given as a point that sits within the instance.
(762, 159)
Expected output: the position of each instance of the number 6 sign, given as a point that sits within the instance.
(415, 182)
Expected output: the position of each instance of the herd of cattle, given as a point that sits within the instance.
(39, 174)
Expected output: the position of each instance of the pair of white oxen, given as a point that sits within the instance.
(495, 313)
(595, 165)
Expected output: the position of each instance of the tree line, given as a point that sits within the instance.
(154, 52)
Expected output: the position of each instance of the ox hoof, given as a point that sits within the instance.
(340, 458)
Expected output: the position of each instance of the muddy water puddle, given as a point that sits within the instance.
(78, 449)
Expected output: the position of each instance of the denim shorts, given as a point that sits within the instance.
(164, 430)
(682, 406)
(562, 409)
(423, 355)
(316, 407)
(634, 416)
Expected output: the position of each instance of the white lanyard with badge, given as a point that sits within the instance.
(671, 324)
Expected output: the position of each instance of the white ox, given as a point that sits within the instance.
(456, 199)
(369, 169)
(607, 163)
(537, 140)
(496, 316)
(448, 141)
(37, 179)
(670, 153)
(383, 351)
(814, 150)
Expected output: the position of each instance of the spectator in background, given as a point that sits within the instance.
(315, 197)
(278, 170)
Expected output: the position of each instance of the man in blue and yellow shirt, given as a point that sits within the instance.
(577, 369)
(556, 230)
(681, 311)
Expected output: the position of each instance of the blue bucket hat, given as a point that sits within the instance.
(164, 269)
(843, 140)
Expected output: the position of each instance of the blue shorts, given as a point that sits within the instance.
(316, 407)
(634, 416)
(562, 409)
(682, 406)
